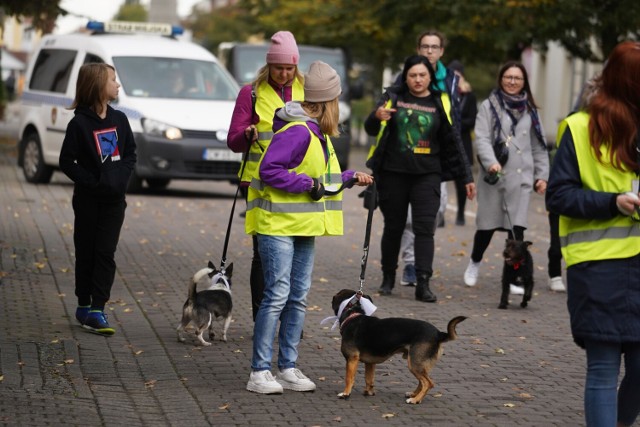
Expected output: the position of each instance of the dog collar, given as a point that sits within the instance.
(348, 319)
(366, 305)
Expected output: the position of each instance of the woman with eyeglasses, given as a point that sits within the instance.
(514, 161)
(594, 189)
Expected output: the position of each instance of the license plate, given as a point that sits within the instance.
(215, 155)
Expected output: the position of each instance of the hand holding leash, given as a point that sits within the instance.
(251, 133)
(317, 191)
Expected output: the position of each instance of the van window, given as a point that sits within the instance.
(151, 77)
(52, 70)
(92, 59)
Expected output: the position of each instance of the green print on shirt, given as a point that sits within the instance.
(414, 127)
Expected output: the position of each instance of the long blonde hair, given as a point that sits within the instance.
(263, 76)
(326, 113)
(91, 86)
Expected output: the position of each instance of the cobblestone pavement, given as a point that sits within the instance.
(514, 367)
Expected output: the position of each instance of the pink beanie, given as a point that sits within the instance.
(283, 49)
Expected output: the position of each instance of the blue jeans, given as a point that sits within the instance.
(604, 403)
(287, 263)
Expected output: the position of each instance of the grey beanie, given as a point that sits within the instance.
(321, 83)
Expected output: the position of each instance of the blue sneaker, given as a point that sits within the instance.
(409, 275)
(81, 313)
(96, 322)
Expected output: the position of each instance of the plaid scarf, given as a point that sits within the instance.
(515, 106)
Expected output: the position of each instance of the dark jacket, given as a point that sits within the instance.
(98, 154)
(603, 296)
(453, 160)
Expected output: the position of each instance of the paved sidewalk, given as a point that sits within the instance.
(514, 367)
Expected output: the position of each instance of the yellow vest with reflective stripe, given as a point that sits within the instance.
(446, 103)
(275, 212)
(593, 240)
(267, 102)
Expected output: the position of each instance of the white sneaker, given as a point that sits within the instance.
(264, 383)
(471, 273)
(293, 379)
(515, 290)
(556, 284)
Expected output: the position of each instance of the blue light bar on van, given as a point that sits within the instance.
(135, 28)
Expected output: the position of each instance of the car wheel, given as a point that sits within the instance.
(33, 167)
(158, 183)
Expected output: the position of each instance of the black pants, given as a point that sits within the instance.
(96, 233)
(482, 238)
(554, 254)
(397, 191)
(256, 279)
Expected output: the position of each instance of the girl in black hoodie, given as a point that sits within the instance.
(98, 154)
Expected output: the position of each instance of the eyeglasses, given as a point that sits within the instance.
(429, 47)
(512, 79)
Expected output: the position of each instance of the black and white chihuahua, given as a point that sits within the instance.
(202, 308)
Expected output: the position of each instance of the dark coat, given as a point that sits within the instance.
(603, 296)
(453, 160)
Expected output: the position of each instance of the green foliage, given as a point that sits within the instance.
(224, 24)
(132, 13)
(43, 12)
(482, 33)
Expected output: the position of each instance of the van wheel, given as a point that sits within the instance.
(158, 183)
(135, 184)
(33, 167)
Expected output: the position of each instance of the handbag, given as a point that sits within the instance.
(501, 151)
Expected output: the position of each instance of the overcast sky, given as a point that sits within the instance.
(100, 10)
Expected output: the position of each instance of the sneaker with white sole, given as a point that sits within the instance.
(515, 290)
(96, 322)
(471, 273)
(556, 284)
(408, 275)
(263, 382)
(293, 379)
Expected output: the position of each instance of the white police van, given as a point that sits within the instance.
(177, 97)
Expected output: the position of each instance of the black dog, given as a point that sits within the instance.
(371, 340)
(202, 308)
(518, 269)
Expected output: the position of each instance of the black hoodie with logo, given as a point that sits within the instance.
(99, 154)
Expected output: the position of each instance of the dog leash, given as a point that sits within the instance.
(223, 261)
(367, 238)
(506, 209)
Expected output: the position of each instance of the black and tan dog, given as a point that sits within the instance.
(202, 308)
(372, 340)
(517, 270)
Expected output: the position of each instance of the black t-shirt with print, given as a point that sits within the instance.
(413, 145)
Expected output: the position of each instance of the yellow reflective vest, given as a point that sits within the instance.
(276, 212)
(596, 239)
(267, 102)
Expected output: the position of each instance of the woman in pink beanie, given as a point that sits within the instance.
(277, 82)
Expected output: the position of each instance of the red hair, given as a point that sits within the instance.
(614, 109)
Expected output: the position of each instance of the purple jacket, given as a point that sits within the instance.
(244, 116)
(288, 148)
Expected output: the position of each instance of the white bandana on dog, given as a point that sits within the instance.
(366, 304)
(220, 281)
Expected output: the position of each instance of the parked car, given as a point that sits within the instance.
(177, 96)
